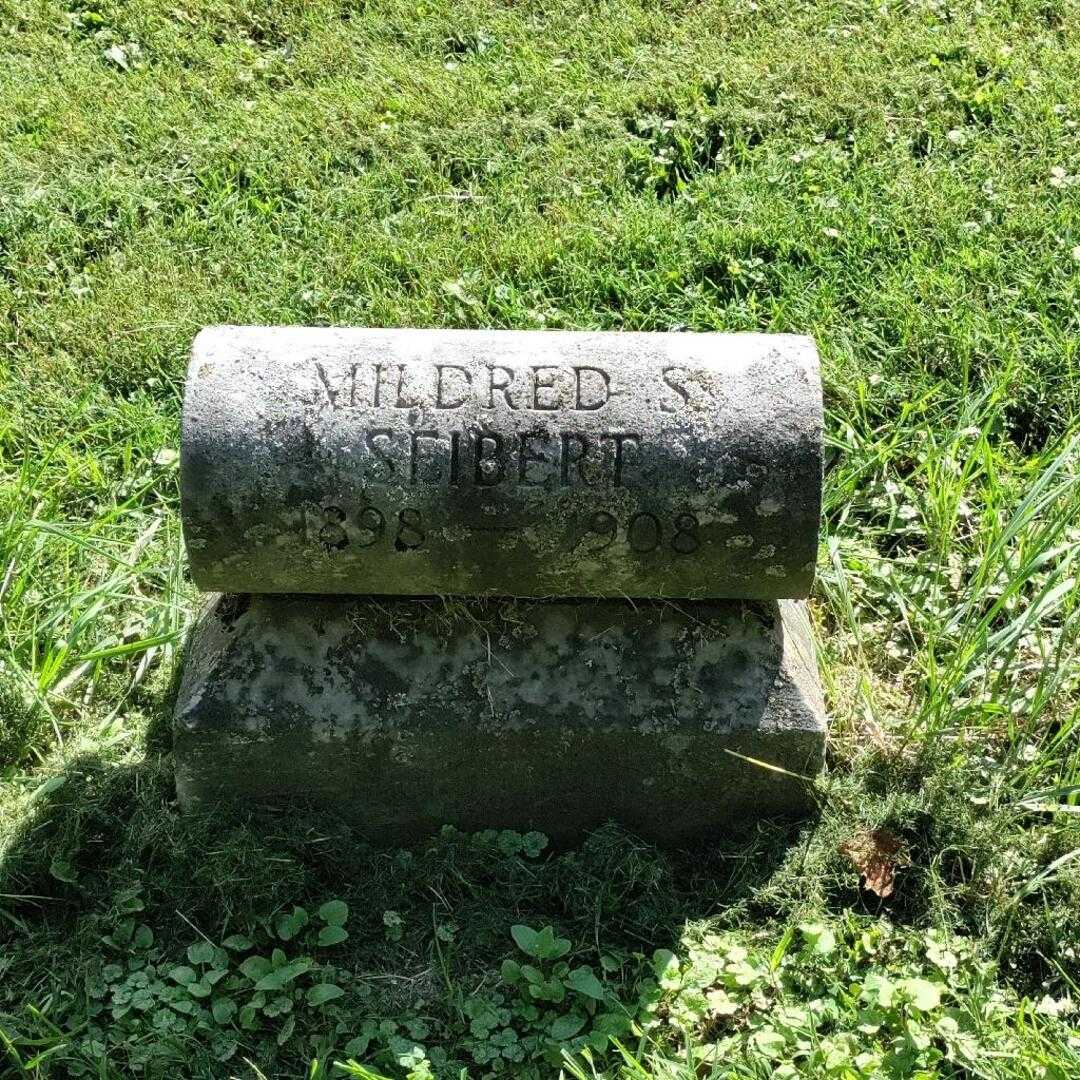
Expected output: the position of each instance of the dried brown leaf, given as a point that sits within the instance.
(876, 854)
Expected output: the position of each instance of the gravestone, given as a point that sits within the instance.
(536, 463)
(529, 580)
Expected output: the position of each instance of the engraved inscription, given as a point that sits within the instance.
(410, 534)
(336, 530)
(452, 398)
(536, 457)
(643, 533)
(604, 527)
(540, 388)
(468, 453)
(674, 380)
(685, 541)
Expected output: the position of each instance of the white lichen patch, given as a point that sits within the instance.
(776, 571)
(766, 552)
(768, 507)
(741, 541)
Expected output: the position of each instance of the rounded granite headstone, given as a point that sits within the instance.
(521, 463)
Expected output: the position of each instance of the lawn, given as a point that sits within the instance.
(900, 179)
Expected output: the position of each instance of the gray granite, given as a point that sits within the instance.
(552, 715)
(524, 463)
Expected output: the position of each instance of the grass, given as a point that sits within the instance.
(899, 179)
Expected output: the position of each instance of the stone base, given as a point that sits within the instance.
(409, 714)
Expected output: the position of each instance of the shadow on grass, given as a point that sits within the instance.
(104, 843)
(432, 921)
(101, 832)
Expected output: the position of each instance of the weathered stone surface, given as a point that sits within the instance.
(523, 463)
(552, 715)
